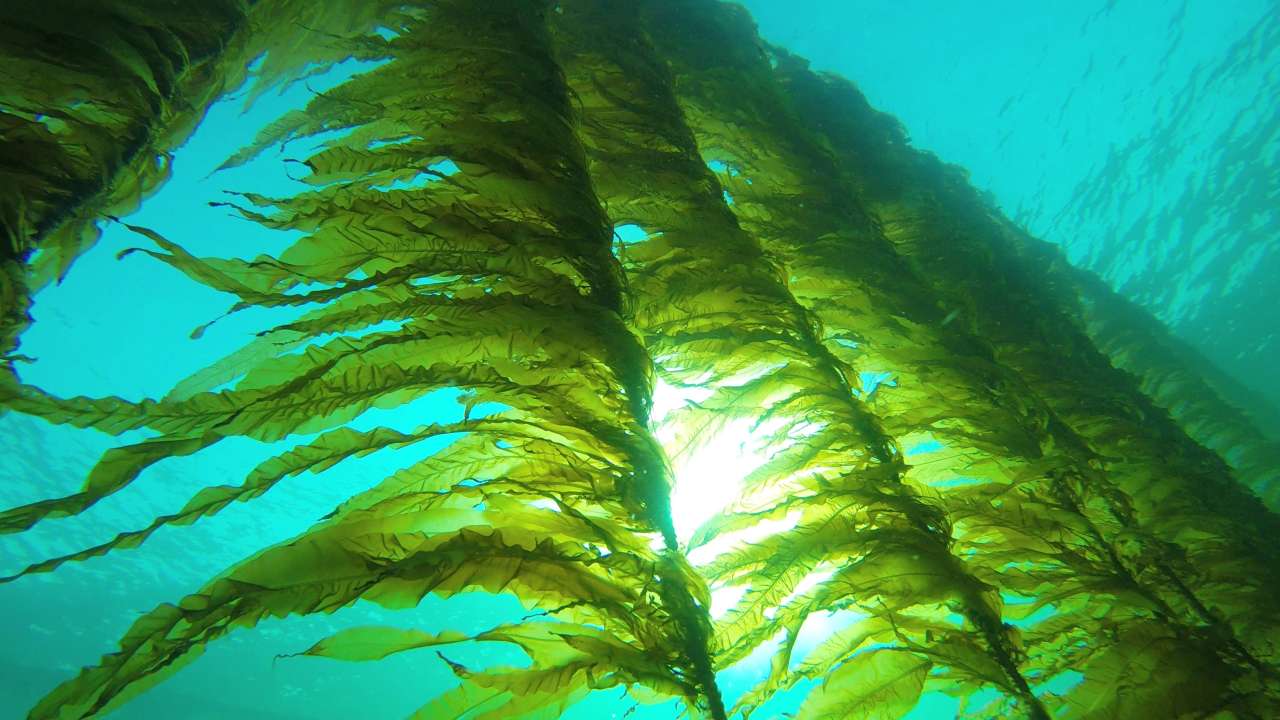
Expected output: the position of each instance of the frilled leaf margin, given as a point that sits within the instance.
(948, 461)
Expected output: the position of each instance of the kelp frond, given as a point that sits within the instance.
(1021, 486)
(642, 235)
(96, 98)
(501, 284)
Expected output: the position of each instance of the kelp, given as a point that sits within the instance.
(1215, 410)
(662, 233)
(95, 98)
(501, 279)
(737, 333)
(1023, 508)
(1164, 484)
(84, 90)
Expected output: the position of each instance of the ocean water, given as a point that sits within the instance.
(1141, 136)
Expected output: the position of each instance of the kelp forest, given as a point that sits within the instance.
(991, 468)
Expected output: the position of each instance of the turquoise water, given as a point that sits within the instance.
(1141, 136)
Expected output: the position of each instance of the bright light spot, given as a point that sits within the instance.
(710, 462)
(724, 599)
(668, 398)
(763, 655)
(807, 583)
(545, 504)
(819, 627)
(724, 542)
(815, 578)
(805, 429)
(728, 199)
(709, 477)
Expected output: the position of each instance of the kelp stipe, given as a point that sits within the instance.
(987, 505)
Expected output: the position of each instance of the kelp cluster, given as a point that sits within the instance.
(1032, 504)
(569, 211)
(1212, 408)
(94, 97)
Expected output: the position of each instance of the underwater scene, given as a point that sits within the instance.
(478, 359)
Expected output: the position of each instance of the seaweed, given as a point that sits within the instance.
(1146, 479)
(946, 459)
(97, 96)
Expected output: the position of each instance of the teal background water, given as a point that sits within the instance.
(1142, 136)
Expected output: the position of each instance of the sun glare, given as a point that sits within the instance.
(708, 472)
(709, 477)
